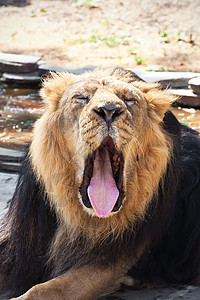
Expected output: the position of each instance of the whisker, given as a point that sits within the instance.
(137, 143)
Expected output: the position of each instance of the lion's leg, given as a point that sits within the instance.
(86, 283)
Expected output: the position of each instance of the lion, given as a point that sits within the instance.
(108, 194)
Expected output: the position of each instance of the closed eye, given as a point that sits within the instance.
(127, 96)
(130, 100)
(82, 98)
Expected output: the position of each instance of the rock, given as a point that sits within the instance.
(10, 167)
(186, 97)
(15, 63)
(10, 160)
(10, 155)
(21, 80)
(44, 68)
(194, 84)
(167, 79)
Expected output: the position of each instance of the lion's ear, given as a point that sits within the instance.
(54, 87)
(158, 100)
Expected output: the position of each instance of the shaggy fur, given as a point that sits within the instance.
(48, 230)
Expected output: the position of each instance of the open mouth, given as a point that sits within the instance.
(102, 187)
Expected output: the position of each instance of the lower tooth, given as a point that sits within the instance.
(116, 169)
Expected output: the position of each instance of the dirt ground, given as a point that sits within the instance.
(139, 33)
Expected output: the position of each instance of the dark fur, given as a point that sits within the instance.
(29, 225)
(170, 231)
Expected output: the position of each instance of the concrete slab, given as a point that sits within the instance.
(15, 63)
(10, 155)
(10, 160)
(45, 68)
(9, 167)
(21, 79)
(194, 84)
(167, 79)
(186, 97)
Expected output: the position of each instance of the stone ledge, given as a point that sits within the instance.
(21, 79)
(186, 97)
(10, 155)
(10, 160)
(194, 84)
(11, 65)
(16, 63)
(10, 167)
(44, 68)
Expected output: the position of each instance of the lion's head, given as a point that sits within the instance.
(100, 148)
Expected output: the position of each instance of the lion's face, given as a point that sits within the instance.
(105, 118)
(100, 147)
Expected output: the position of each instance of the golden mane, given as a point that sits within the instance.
(55, 152)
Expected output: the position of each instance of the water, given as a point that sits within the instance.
(188, 116)
(20, 108)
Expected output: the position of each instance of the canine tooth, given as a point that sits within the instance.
(116, 167)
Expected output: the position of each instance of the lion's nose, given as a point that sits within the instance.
(109, 112)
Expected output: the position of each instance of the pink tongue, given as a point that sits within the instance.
(102, 191)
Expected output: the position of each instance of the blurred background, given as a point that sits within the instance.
(147, 34)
